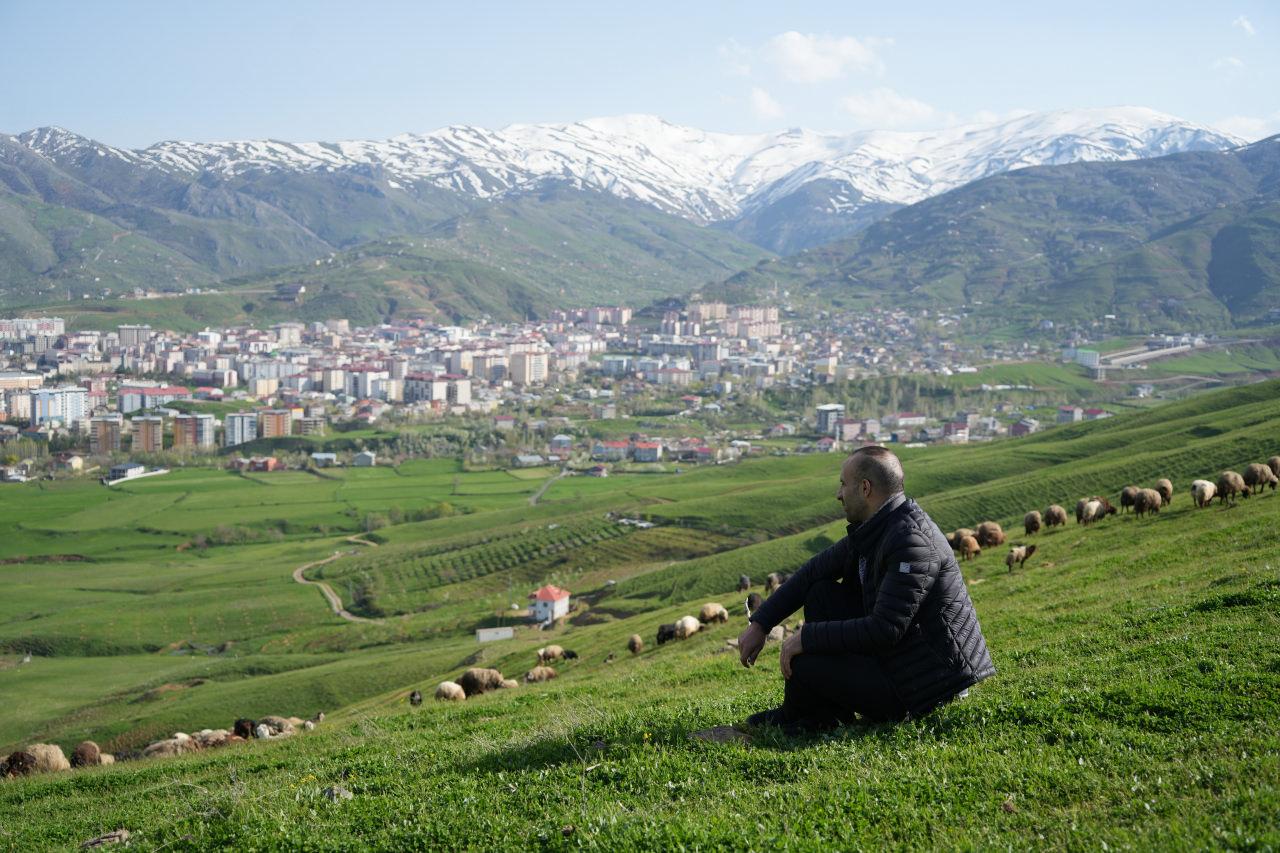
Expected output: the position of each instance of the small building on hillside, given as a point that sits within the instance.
(488, 635)
(548, 603)
(365, 459)
(324, 460)
(125, 470)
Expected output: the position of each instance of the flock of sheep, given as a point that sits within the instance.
(49, 757)
(969, 542)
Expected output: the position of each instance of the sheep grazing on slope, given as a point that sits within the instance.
(1083, 516)
(712, 612)
(212, 738)
(450, 691)
(686, 627)
(1274, 464)
(174, 746)
(49, 758)
(754, 600)
(957, 536)
(744, 583)
(570, 654)
(772, 581)
(666, 633)
(18, 764)
(989, 534)
(1055, 516)
(1165, 488)
(1031, 522)
(1229, 485)
(279, 725)
(476, 681)
(1148, 501)
(539, 673)
(1093, 511)
(86, 754)
(1202, 492)
(969, 548)
(635, 644)
(244, 727)
(1127, 496)
(1258, 476)
(415, 698)
(1019, 554)
(550, 653)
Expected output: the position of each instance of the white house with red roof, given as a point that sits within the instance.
(548, 603)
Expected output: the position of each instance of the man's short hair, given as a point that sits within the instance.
(880, 466)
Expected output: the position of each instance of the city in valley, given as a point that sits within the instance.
(591, 388)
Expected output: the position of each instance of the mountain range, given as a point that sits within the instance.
(670, 208)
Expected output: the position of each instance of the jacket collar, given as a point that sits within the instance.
(861, 534)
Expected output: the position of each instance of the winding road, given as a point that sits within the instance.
(335, 603)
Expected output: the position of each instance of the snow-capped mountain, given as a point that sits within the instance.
(700, 175)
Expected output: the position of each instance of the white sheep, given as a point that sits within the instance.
(713, 612)
(49, 758)
(686, 627)
(450, 691)
(1202, 492)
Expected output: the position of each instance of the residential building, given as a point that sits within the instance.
(134, 336)
(66, 405)
(193, 431)
(365, 459)
(105, 433)
(273, 423)
(1070, 414)
(829, 415)
(1026, 426)
(125, 470)
(548, 603)
(528, 368)
(148, 433)
(648, 451)
(239, 428)
(136, 397)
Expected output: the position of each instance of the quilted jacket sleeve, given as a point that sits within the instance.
(789, 597)
(909, 572)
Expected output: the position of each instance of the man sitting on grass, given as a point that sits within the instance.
(889, 629)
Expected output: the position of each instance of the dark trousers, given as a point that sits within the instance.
(824, 689)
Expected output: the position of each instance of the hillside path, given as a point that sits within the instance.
(335, 603)
(533, 498)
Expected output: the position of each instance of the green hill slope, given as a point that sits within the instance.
(1136, 701)
(1184, 241)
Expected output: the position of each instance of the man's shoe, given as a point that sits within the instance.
(774, 718)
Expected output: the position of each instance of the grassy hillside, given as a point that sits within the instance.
(1184, 241)
(1136, 700)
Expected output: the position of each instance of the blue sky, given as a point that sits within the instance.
(133, 73)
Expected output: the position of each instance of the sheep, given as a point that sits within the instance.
(1148, 501)
(49, 757)
(1055, 516)
(244, 728)
(547, 654)
(570, 654)
(666, 632)
(754, 600)
(539, 673)
(476, 681)
(278, 725)
(212, 738)
(989, 534)
(1093, 511)
(1031, 522)
(1229, 485)
(18, 764)
(1202, 492)
(174, 746)
(635, 644)
(1165, 488)
(969, 548)
(686, 627)
(106, 758)
(957, 536)
(415, 698)
(449, 691)
(712, 612)
(1127, 496)
(1274, 464)
(1082, 506)
(1019, 554)
(744, 583)
(86, 754)
(262, 731)
(309, 725)
(772, 581)
(1258, 476)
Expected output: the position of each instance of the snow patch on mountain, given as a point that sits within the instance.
(697, 174)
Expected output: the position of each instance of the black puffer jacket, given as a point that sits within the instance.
(916, 615)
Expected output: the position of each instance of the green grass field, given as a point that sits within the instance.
(1136, 702)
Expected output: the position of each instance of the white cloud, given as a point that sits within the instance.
(764, 105)
(735, 58)
(1227, 63)
(1245, 24)
(884, 108)
(1250, 128)
(809, 58)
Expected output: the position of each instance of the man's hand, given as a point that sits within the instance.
(791, 647)
(750, 642)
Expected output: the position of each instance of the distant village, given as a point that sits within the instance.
(114, 398)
